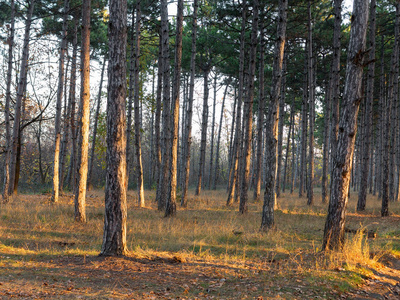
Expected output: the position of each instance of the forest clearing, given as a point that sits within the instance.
(208, 251)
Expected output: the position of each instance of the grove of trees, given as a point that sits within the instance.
(244, 96)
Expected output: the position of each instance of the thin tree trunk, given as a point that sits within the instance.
(14, 174)
(84, 109)
(325, 159)
(342, 165)
(281, 124)
(291, 132)
(158, 116)
(272, 121)
(248, 113)
(303, 142)
(60, 90)
(10, 41)
(365, 167)
(212, 133)
(114, 237)
(138, 123)
(189, 114)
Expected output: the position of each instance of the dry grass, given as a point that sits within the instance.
(205, 238)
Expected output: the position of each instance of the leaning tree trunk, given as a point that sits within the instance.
(365, 167)
(60, 90)
(10, 42)
(248, 113)
(342, 161)
(387, 129)
(114, 237)
(13, 189)
(170, 209)
(272, 121)
(96, 119)
(138, 143)
(204, 123)
(84, 109)
(260, 118)
(189, 113)
(311, 91)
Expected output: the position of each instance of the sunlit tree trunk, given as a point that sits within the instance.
(114, 237)
(84, 109)
(10, 41)
(272, 121)
(60, 91)
(288, 146)
(343, 157)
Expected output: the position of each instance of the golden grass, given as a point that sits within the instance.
(209, 232)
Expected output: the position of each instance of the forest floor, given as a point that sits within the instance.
(208, 251)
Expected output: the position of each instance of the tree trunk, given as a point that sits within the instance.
(60, 90)
(84, 109)
(204, 123)
(14, 174)
(303, 142)
(189, 114)
(272, 121)
(342, 164)
(291, 132)
(365, 167)
(248, 113)
(96, 118)
(311, 92)
(170, 209)
(138, 142)
(281, 124)
(325, 158)
(212, 133)
(260, 118)
(114, 237)
(10, 41)
(158, 113)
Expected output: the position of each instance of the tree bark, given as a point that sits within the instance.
(114, 237)
(170, 209)
(60, 91)
(343, 157)
(10, 41)
(189, 113)
(291, 132)
(212, 133)
(248, 113)
(365, 167)
(268, 222)
(84, 109)
(281, 124)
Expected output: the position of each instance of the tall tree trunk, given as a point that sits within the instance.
(342, 164)
(158, 114)
(170, 209)
(204, 123)
(248, 113)
(272, 121)
(389, 110)
(291, 132)
(335, 84)
(18, 102)
(325, 158)
(189, 114)
(365, 167)
(114, 237)
(212, 132)
(84, 109)
(60, 90)
(130, 98)
(10, 42)
(281, 124)
(260, 118)
(138, 123)
(311, 91)
(217, 154)
(162, 189)
(96, 119)
(303, 143)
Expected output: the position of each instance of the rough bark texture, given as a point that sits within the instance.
(325, 158)
(14, 172)
(260, 118)
(365, 167)
(272, 121)
(248, 113)
(114, 237)
(189, 114)
(138, 123)
(343, 157)
(84, 109)
(60, 91)
(10, 42)
(170, 209)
